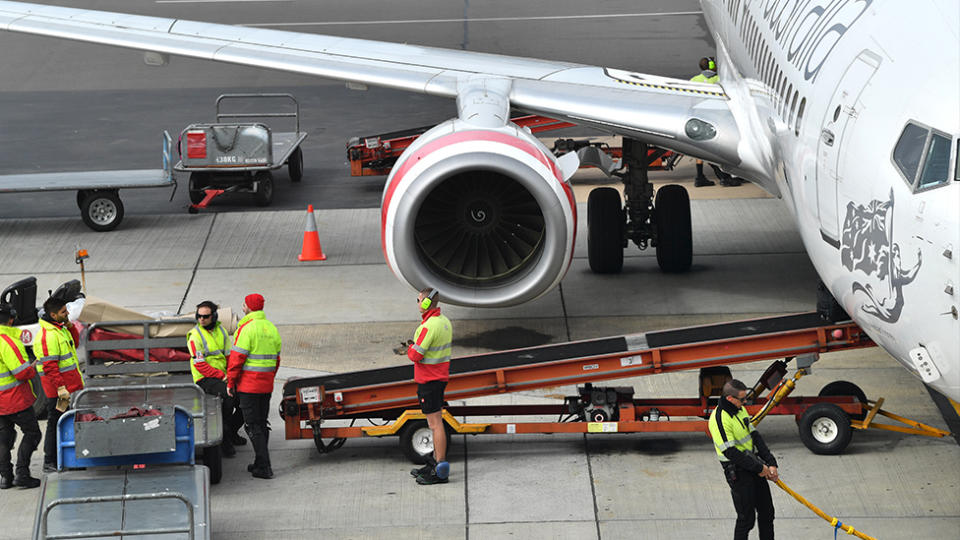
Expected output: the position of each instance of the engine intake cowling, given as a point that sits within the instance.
(483, 215)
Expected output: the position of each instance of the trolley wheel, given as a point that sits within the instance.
(295, 165)
(674, 232)
(81, 195)
(198, 181)
(825, 429)
(605, 230)
(102, 210)
(213, 459)
(416, 441)
(264, 194)
(845, 388)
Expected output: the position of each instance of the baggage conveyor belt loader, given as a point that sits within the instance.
(315, 407)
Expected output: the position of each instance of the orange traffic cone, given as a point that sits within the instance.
(311, 250)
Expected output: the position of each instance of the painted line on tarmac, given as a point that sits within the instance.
(461, 20)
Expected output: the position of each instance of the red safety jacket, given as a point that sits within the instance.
(15, 373)
(255, 356)
(430, 350)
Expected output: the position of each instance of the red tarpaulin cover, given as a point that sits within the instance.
(133, 355)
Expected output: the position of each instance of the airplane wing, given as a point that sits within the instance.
(649, 108)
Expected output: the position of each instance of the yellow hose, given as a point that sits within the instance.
(834, 522)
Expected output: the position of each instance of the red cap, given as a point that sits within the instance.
(254, 302)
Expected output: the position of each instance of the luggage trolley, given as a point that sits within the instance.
(227, 157)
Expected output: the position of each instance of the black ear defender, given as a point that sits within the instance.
(7, 311)
(429, 299)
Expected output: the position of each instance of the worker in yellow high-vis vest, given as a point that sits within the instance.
(16, 404)
(430, 353)
(747, 462)
(209, 344)
(708, 74)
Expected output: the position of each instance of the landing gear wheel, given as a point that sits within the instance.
(264, 194)
(605, 230)
(198, 181)
(102, 210)
(295, 165)
(213, 459)
(674, 233)
(845, 388)
(825, 429)
(416, 441)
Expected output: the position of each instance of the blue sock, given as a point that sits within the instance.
(443, 469)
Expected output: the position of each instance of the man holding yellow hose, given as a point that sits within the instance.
(747, 462)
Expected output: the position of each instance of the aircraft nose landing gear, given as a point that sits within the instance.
(662, 222)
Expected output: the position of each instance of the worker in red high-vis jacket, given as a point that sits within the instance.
(56, 351)
(430, 353)
(16, 404)
(252, 365)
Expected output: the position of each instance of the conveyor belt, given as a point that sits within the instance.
(569, 350)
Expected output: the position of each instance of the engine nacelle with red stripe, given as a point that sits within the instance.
(481, 214)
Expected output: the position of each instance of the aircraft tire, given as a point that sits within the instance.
(845, 388)
(102, 210)
(674, 232)
(295, 165)
(605, 230)
(825, 429)
(264, 194)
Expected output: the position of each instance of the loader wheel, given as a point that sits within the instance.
(81, 195)
(825, 429)
(102, 210)
(416, 441)
(213, 459)
(845, 388)
(605, 229)
(264, 194)
(295, 165)
(198, 181)
(674, 232)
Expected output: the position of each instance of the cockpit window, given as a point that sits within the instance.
(909, 150)
(936, 165)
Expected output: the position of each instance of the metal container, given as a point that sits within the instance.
(226, 146)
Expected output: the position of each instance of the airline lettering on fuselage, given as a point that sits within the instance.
(867, 246)
(808, 30)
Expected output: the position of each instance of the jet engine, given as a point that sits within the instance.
(482, 214)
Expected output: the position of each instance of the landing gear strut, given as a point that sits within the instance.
(663, 223)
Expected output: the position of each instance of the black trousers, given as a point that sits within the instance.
(751, 498)
(27, 421)
(50, 435)
(255, 408)
(232, 417)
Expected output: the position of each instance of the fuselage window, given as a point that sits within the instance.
(803, 105)
(936, 164)
(909, 150)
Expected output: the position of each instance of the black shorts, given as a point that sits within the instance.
(430, 395)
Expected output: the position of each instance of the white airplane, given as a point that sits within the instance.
(848, 110)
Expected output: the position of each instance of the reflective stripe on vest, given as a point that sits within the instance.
(207, 351)
(65, 362)
(738, 437)
(439, 337)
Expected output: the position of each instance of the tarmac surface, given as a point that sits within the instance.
(65, 105)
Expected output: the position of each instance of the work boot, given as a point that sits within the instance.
(429, 465)
(26, 482)
(227, 449)
(6, 482)
(431, 478)
(702, 181)
(49, 467)
(730, 181)
(262, 472)
(237, 439)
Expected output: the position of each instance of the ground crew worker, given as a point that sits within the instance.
(747, 462)
(430, 353)
(251, 368)
(56, 352)
(708, 74)
(16, 404)
(208, 343)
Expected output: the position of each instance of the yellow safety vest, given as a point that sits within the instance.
(58, 346)
(438, 345)
(731, 431)
(259, 340)
(10, 361)
(211, 348)
(703, 78)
